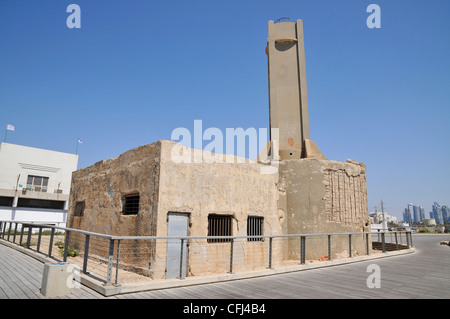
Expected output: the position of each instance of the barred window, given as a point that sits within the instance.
(255, 227)
(219, 225)
(131, 204)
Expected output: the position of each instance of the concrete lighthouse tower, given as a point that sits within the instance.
(288, 99)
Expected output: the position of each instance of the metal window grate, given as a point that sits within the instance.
(131, 204)
(255, 227)
(219, 225)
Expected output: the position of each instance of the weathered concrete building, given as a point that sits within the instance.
(145, 192)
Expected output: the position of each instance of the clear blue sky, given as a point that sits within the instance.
(136, 70)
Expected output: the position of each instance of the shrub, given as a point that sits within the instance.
(60, 243)
(71, 252)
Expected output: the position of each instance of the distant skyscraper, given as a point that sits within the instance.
(416, 214)
(422, 213)
(437, 213)
(445, 213)
(408, 216)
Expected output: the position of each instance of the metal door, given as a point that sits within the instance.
(177, 225)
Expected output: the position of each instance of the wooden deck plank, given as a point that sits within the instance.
(19, 278)
(5, 287)
(423, 274)
(23, 283)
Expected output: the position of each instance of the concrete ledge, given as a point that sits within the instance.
(111, 290)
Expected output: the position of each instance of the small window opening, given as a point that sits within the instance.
(79, 208)
(131, 204)
(219, 225)
(255, 227)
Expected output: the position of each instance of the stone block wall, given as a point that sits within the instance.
(102, 188)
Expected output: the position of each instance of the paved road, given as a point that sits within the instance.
(423, 274)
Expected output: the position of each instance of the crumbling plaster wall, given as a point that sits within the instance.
(200, 189)
(102, 187)
(322, 196)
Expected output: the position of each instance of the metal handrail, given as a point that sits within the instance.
(243, 236)
(113, 238)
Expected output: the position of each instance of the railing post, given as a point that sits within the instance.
(303, 250)
(350, 245)
(50, 245)
(367, 244)
(396, 241)
(9, 230)
(410, 239)
(407, 239)
(110, 262)
(15, 232)
(329, 247)
(181, 258)
(4, 229)
(21, 235)
(270, 252)
(383, 242)
(231, 255)
(39, 239)
(86, 253)
(66, 245)
(117, 262)
(30, 230)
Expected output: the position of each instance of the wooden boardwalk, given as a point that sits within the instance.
(423, 274)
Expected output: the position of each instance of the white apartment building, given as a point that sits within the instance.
(35, 184)
(380, 220)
